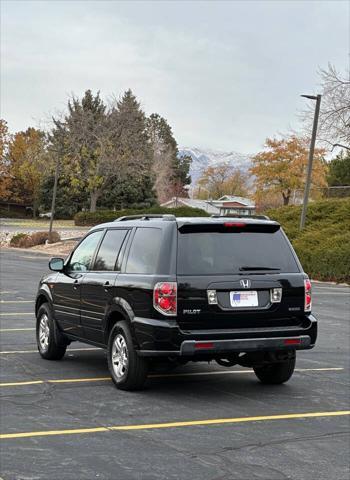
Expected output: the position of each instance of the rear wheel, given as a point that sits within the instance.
(276, 373)
(128, 370)
(47, 336)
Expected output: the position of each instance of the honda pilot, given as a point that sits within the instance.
(159, 289)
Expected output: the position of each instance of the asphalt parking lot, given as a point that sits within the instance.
(65, 420)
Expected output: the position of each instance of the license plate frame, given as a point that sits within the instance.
(244, 299)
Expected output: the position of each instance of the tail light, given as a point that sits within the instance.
(165, 298)
(308, 298)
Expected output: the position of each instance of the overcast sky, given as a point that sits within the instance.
(224, 74)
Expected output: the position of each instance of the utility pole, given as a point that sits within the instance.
(54, 194)
(311, 157)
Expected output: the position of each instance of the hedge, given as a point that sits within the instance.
(323, 246)
(102, 216)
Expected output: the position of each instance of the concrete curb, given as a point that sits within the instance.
(28, 250)
(331, 283)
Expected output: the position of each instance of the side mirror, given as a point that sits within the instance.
(56, 264)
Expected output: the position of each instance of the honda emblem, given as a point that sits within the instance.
(245, 283)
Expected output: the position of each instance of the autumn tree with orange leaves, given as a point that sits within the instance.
(223, 179)
(281, 167)
(29, 161)
(5, 174)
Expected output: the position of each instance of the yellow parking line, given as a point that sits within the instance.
(103, 379)
(18, 384)
(76, 380)
(191, 423)
(9, 352)
(2, 330)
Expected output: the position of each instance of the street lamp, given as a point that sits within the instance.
(53, 202)
(311, 157)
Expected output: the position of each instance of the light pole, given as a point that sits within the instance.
(53, 203)
(311, 157)
(57, 153)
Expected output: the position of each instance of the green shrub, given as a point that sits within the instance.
(102, 216)
(323, 246)
(24, 240)
(5, 213)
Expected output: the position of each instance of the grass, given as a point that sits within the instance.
(323, 246)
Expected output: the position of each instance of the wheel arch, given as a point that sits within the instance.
(115, 315)
(41, 299)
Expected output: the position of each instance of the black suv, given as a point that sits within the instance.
(159, 289)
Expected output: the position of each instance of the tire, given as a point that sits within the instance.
(47, 335)
(128, 370)
(276, 373)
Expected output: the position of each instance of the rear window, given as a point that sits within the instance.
(144, 251)
(215, 253)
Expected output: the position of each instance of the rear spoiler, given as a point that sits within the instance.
(230, 227)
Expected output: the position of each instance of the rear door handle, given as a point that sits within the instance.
(76, 284)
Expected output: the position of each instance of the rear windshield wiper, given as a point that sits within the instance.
(245, 268)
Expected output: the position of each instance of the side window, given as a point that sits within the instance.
(82, 256)
(109, 250)
(144, 251)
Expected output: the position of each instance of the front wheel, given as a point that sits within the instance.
(46, 336)
(128, 370)
(276, 373)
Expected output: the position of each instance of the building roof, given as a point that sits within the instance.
(194, 203)
(212, 206)
(232, 198)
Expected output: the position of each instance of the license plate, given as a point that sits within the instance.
(244, 299)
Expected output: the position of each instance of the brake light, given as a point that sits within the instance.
(234, 224)
(165, 298)
(308, 295)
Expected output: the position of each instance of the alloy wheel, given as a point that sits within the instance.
(120, 360)
(44, 332)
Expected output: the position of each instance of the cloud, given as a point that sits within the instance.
(225, 74)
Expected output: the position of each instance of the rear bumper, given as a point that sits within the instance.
(155, 337)
(192, 347)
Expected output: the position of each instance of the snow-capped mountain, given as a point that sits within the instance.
(202, 158)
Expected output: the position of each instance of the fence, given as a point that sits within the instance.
(341, 191)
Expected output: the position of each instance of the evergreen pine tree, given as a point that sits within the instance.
(134, 180)
(170, 170)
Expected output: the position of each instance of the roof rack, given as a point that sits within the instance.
(257, 217)
(147, 216)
